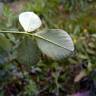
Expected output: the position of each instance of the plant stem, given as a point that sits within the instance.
(14, 32)
(17, 32)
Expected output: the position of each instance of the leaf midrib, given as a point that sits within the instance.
(40, 37)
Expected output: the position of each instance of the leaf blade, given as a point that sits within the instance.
(28, 52)
(29, 21)
(57, 40)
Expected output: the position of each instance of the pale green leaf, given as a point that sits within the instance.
(55, 43)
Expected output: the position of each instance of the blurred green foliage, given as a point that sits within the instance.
(77, 17)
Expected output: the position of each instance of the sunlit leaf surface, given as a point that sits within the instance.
(29, 21)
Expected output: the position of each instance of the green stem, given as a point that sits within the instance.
(16, 32)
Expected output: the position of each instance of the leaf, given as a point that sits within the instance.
(5, 43)
(80, 76)
(55, 43)
(28, 52)
(5, 49)
(29, 21)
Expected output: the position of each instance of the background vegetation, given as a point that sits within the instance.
(47, 78)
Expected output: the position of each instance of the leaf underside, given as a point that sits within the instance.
(55, 43)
